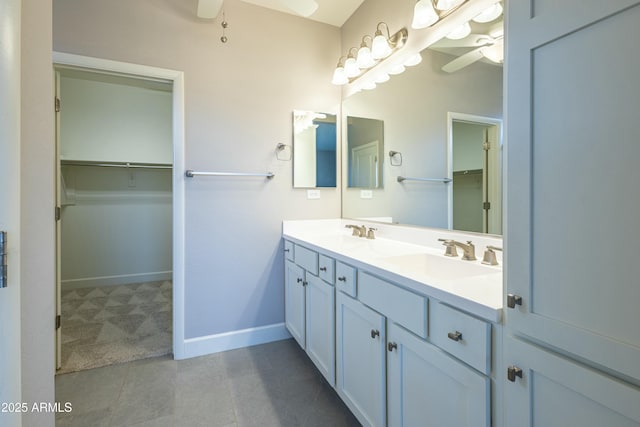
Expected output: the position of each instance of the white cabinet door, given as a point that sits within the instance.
(552, 391)
(427, 387)
(572, 195)
(294, 301)
(361, 379)
(320, 326)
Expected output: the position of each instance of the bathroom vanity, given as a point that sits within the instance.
(406, 335)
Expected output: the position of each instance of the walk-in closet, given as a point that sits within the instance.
(114, 255)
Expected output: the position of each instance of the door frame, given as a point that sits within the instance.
(496, 185)
(178, 180)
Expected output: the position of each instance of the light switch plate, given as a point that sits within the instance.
(366, 194)
(313, 194)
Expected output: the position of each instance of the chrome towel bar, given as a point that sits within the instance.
(443, 180)
(190, 174)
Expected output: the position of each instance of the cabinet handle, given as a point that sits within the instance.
(375, 333)
(342, 279)
(298, 280)
(391, 346)
(456, 336)
(513, 300)
(513, 372)
(323, 268)
(305, 283)
(286, 250)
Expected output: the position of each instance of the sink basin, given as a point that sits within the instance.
(439, 266)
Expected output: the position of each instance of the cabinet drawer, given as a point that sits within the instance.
(400, 305)
(327, 269)
(307, 259)
(464, 336)
(346, 278)
(288, 250)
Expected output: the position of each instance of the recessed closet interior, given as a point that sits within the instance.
(115, 229)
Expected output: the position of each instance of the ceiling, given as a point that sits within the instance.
(332, 12)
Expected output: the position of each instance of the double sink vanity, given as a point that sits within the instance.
(405, 334)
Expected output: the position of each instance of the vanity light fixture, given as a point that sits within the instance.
(382, 47)
(397, 69)
(384, 77)
(428, 12)
(413, 60)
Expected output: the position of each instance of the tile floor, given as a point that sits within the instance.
(269, 385)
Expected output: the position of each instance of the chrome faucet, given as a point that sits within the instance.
(489, 257)
(468, 248)
(357, 230)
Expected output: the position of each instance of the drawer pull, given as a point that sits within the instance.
(323, 268)
(286, 250)
(455, 336)
(375, 333)
(298, 280)
(342, 279)
(391, 346)
(305, 283)
(513, 372)
(513, 300)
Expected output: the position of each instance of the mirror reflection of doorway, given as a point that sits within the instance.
(476, 174)
(364, 165)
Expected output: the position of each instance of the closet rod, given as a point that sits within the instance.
(190, 174)
(443, 180)
(117, 165)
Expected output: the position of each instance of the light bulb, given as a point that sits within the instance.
(489, 14)
(351, 67)
(369, 86)
(448, 4)
(339, 77)
(413, 60)
(397, 69)
(384, 77)
(380, 47)
(424, 15)
(364, 58)
(461, 32)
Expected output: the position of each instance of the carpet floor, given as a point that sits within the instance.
(106, 325)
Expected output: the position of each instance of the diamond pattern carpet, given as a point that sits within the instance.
(113, 324)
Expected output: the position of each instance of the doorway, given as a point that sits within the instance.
(120, 229)
(475, 168)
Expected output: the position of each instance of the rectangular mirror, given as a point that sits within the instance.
(416, 107)
(314, 149)
(365, 148)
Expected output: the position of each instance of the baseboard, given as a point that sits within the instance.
(123, 279)
(194, 347)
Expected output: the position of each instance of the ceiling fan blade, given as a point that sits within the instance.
(464, 60)
(472, 40)
(209, 9)
(301, 7)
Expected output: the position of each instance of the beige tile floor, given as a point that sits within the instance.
(269, 385)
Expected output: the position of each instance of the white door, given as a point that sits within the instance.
(58, 229)
(364, 165)
(10, 370)
(572, 191)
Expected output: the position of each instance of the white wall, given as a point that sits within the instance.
(10, 365)
(37, 272)
(117, 228)
(239, 99)
(104, 118)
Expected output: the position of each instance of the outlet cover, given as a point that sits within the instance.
(366, 194)
(313, 194)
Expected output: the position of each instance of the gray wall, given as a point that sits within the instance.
(238, 102)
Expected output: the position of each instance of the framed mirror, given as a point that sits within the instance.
(314, 149)
(365, 148)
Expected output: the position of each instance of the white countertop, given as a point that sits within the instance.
(412, 258)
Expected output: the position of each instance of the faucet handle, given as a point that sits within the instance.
(370, 234)
(451, 247)
(356, 230)
(489, 257)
